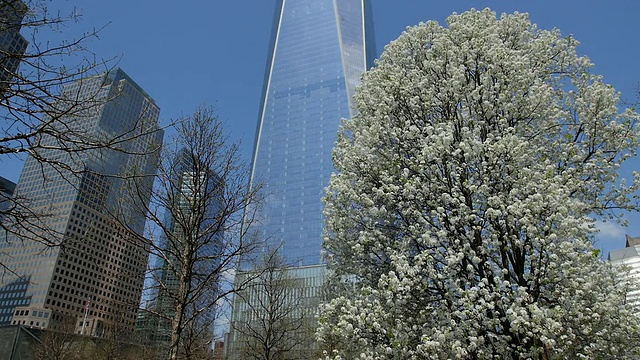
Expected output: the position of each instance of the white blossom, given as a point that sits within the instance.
(464, 198)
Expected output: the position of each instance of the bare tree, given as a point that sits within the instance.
(61, 343)
(197, 206)
(116, 342)
(33, 74)
(274, 314)
(47, 87)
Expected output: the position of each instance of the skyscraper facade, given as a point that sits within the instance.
(319, 51)
(193, 198)
(97, 273)
(7, 187)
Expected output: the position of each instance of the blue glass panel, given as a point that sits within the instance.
(318, 57)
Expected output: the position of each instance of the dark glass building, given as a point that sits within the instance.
(319, 50)
(12, 44)
(7, 187)
(95, 278)
(193, 190)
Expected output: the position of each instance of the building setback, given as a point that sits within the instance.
(319, 51)
(94, 280)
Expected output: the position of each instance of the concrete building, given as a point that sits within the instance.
(95, 278)
(629, 256)
(276, 310)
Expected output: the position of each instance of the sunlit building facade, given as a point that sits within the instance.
(277, 308)
(629, 257)
(94, 279)
(319, 51)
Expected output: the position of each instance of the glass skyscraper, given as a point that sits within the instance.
(319, 50)
(194, 198)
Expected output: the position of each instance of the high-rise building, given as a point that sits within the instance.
(94, 279)
(7, 187)
(629, 256)
(193, 194)
(319, 51)
(12, 44)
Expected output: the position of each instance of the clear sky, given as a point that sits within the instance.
(195, 52)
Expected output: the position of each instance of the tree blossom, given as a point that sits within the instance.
(464, 198)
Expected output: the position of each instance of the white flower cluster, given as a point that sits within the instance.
(462, 200)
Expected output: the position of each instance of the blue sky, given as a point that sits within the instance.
(214, 51)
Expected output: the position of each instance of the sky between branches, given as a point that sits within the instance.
(214, 52)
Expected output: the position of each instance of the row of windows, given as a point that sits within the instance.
(112, 264)
(31, 323)
(16, 287)
(35, 313)
(14, 302)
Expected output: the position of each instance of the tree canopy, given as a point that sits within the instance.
(465, 195)
(200, 199)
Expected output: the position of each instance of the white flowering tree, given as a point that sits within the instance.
(464, 198)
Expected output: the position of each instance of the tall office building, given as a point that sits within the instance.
(94, 279)
(193, 200)
(12, 44)
(7, 187)
(319, 51)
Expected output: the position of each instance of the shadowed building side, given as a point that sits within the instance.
(12, 44)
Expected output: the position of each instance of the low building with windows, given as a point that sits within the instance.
(277, 310)
(629, 256)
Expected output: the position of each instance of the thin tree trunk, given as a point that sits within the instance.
(185, 288)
